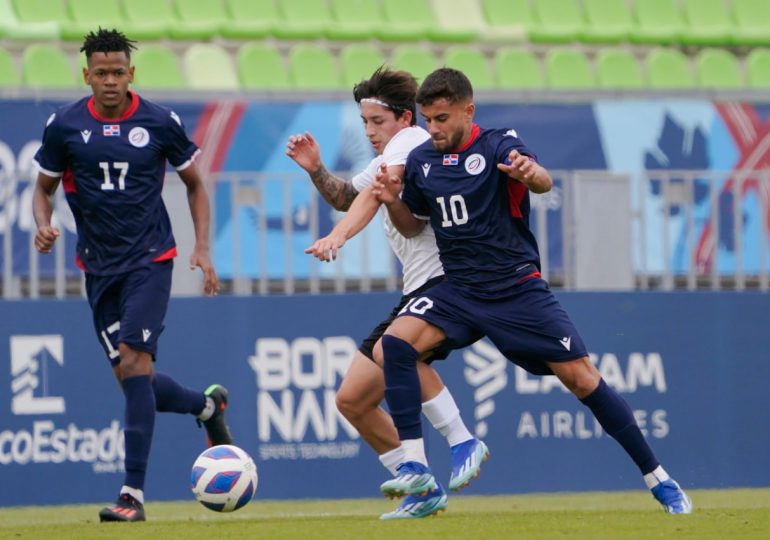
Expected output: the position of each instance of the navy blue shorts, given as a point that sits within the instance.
(528, 326)
(129, 308)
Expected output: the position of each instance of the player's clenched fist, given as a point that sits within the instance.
(45, 238)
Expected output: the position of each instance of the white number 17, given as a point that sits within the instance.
(122, 166)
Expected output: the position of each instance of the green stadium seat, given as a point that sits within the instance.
(472, 62)
(618, 69)
(358, 61)
(303, 19)
(708, 23)
(199, 19)
(415, 59)
(311, 67)
(50, 12)
(45, 66)
(250, 19)
(89, 15)
(668, 69)
(13, 29)
(568, 69)
(417, 15)
(518, 68)
(163, 15)
(461, 17)
(658, 22)
(8, 74)
(507, 20)
(261, 67)
(607, 21)
(717, 68)
(157, 67)
(752, 22)
(357, 19)
(560, 21)
(758, 68)
(209, 67)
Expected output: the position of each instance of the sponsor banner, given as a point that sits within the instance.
(692, 366)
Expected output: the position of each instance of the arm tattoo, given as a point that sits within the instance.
(335, 191)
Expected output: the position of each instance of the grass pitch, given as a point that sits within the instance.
(718, 515)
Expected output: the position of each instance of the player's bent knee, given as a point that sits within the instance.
(134, 362)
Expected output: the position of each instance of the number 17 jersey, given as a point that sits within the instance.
(112, 172)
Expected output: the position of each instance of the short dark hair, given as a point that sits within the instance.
(446, 83)
(395, 89)
(106, 41)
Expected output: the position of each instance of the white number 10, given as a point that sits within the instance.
(122, 166)
(456, 207)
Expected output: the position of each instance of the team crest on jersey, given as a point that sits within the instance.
(475, 164)
(450, 159)
(139, 137)
(111, 130)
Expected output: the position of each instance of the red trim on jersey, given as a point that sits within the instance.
(170, 254)
(516, 192)
(129, 112)
(475, 131)
(68, 181)
(529, 276)
(79, 263)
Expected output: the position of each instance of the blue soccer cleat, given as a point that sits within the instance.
(673, 498)
(420, 506)
(413, 479)
(466, 462)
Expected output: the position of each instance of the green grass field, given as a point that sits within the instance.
(718, 515)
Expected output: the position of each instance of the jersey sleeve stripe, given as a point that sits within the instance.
(189, 162)
(52, 174)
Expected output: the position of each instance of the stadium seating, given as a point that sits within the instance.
(250, 19)
(460, 18)
(418, 15)
(618, 69)
(518, 69)
(668, 69)
(568, 69)
(752, 22)
(260, 67)
(609, 21)
(12, 28)
(311, 67)
(507, 20)
(717, 68)
(415, 59)
(209, 67)
(560, 21)
(157, 67)
(363, 15)
(708, 23)
(88, 15)
(203, 18)
(658, 22)
(45, 66)
(758, 69)
(471, 62)
(358, 61)
(8, 74)
(302, 19)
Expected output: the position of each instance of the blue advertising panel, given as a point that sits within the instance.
(692, 366)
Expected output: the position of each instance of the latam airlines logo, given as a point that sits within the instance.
(31, 360)
(485, 371)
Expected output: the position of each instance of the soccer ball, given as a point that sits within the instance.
(224, 478)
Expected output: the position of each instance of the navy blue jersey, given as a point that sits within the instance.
(112, 172)
(479, 214)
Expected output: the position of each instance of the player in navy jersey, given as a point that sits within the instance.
(472, 185)
(109, 151)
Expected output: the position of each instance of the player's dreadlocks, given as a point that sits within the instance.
(106, 41)
(395, 90)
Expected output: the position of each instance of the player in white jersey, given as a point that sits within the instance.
(388, 110)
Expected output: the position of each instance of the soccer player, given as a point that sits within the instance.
(109, 151)
(387, 104)
(472, 185)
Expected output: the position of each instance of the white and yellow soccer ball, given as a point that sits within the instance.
(224, 478)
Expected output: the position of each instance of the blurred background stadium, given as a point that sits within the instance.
(653, 116)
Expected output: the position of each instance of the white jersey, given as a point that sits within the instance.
(419, 254)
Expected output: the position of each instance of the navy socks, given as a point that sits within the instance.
(402, 386)
(617, 419)
(170, 396)
(140, 421)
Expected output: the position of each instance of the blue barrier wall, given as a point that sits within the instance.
(693, 366)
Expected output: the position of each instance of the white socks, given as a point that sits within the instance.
(443, 413)
(208, 410)
(392, 459)
(414, 450)
(137, 494)
(655, 477)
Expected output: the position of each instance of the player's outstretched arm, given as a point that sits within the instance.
(361, 212)
(42, 209)
(306, 153)
(387, 188)
(198, 200)
(527, 171)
